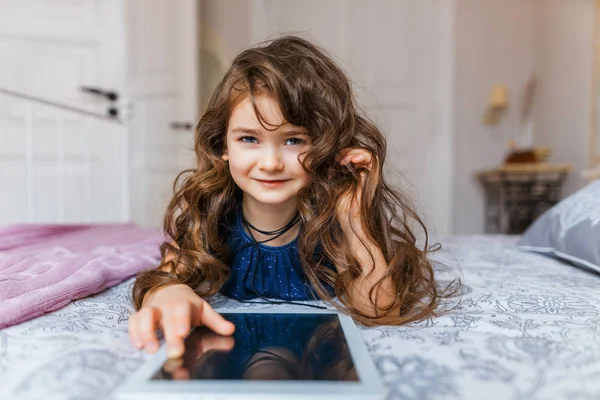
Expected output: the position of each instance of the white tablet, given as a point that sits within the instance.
(273, 354)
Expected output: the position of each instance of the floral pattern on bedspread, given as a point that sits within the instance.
(527, 327)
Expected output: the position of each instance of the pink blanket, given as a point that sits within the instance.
(44, 267)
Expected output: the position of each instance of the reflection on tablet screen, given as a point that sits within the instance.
(266, 347)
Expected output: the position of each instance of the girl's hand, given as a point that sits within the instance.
(174, 309)
(364, 162)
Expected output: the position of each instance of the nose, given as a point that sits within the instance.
(271, 161)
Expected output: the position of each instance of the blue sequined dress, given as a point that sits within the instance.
(260, 270)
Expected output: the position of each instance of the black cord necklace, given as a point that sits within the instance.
(275, 233)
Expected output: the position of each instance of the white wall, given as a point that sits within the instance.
(495, 43)
(223, 34)
(564, 64)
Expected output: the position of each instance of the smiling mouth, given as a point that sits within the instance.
(272, 182)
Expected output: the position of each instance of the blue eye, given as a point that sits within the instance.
(294, 141)
(248, 139)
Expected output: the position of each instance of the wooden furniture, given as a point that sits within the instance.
(516, 194)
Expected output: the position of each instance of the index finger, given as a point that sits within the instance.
(204, 314)
(176, 322)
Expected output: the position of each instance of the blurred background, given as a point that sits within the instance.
(490, 106)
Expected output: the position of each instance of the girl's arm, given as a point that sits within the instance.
(372, 272)
(165, 267)
(373, 268)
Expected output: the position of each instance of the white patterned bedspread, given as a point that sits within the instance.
(526, 328)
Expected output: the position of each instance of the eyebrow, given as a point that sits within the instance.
(255, 132)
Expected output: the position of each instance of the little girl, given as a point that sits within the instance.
(288, 201)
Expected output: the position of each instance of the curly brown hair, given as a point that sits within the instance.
(313, 92)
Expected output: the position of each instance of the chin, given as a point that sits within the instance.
(273, 199)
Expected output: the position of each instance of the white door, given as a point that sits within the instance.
(62, 158)
(398, 54)
(163, 83)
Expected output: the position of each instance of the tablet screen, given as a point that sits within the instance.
(266, 347)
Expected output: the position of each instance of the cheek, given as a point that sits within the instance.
(299, 172)
(237, 168)
(295, 162)
(239, 158)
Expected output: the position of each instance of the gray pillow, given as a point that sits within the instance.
(570, 230)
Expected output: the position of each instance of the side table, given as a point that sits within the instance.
(516, 194)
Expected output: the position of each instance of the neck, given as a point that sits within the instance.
(269, 217)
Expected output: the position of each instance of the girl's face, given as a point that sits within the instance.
(265, 164)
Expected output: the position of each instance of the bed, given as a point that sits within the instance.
(526, 327)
